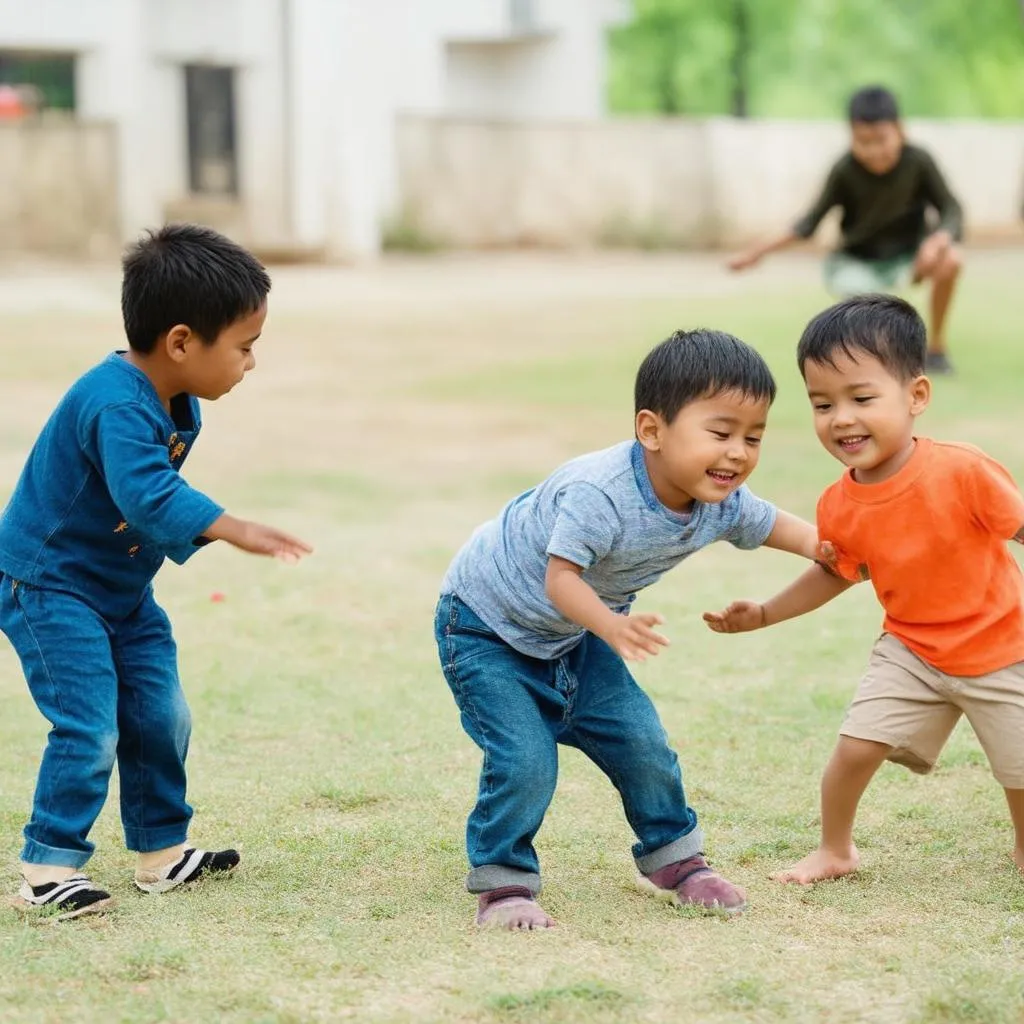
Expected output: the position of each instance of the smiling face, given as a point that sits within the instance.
(863, 414)
(707, 451)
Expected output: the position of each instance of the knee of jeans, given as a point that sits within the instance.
(531, 776)
(180, 723)
(643, 733)
(103, 749)
(173, 721)
(645, 747)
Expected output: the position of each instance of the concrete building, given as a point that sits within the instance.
(275, 119)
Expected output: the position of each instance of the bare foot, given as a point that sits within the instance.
(820, 866)
(1018, 859)
(513, 908)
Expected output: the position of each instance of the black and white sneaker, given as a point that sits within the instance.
(193, 865)
(73, 897)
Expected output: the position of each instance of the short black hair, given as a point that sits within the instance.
(698, 364)
(187, 274)
(873, 104)
(883, 326)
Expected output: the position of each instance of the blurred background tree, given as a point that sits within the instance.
(802, 58)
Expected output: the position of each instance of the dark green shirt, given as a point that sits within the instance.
(884, 215)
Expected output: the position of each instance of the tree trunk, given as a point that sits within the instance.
(741, 59)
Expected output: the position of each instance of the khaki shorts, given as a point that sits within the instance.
(904, 702)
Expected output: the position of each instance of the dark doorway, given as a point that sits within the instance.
(212, 152)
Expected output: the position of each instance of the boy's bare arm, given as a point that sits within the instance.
(793, 534)
(938, 193)
(752, 256)
(830, 195)
(631, 636)
(257, 539)
(817, 586)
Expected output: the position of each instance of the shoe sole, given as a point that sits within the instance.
(29, 910)
(166, 885)
(645, 885)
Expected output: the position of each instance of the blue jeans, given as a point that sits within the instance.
(518, 709)
(110, 691)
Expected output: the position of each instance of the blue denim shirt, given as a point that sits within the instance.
(100, 502)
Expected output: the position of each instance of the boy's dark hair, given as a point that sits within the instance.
(187, 274)
(883, 326)
(698, 364)
(873, 104)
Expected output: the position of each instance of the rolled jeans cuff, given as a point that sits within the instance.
(497, 876)
(39, 853)
(679, 849)
(149, 840)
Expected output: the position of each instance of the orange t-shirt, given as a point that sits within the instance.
(932, 539)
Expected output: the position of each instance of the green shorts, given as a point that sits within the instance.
(847, 275)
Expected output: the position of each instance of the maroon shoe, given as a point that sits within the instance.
(691, 883)
(511, 907)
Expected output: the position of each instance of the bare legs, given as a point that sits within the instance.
(850, 769)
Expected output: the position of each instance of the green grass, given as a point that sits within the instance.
(327, 747)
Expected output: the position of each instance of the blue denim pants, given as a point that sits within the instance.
(518, 709)
(110, 691)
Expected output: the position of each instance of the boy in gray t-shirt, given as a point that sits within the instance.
(533, 623)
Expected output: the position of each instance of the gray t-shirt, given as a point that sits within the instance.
(598, 511)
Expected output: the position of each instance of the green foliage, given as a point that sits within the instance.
(402, 233)
(943, 58)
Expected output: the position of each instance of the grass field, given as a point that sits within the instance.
(391, 411)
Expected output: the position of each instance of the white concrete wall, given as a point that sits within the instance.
(110, 76)
(243, 34)
(390, 59)
(319, 84)
(469, 183)
(667, 182)
(574, 71)
(56, 24)
(58, 188)
(397, 57)
(558, 70)
(130, 73)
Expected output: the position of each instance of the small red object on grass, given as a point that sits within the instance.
(218, 598)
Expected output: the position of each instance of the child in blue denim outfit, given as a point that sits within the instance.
(533, 623)
(99, 505)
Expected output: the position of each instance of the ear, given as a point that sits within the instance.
(176, 341)
(920, 395)
(649, 426)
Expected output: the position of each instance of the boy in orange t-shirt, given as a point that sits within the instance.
(927, 523)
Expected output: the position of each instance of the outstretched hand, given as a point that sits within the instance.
(739, 617)
(258, 539)
(743, 261)
(633, 638)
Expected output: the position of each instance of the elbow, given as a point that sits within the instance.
(147, 516)
(136, 511)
